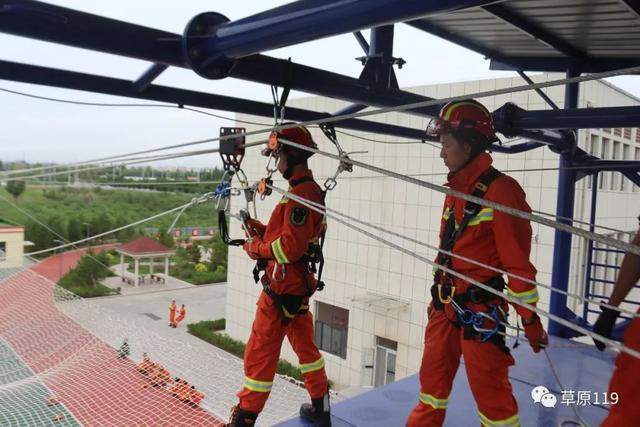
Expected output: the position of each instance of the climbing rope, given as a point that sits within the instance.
(513, 300)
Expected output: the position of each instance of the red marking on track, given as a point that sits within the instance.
(83, 372)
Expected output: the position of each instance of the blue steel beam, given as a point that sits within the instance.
(539, 91)
(533, 30)
(378, 70)
(564, 209)
(149, 76)
(361, 41)
(307, 20)
(591, 65)
(69, 27)
(576, 118)
(119, 87)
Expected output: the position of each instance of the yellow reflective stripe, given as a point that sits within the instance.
(305, 368)
(259, 386)
(484, 215)
(447, 114)
(433, 401)
(446, 214)
(513, 421)
(530, 296)
(283, 200)
(278, 252)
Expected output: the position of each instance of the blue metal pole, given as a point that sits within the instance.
(588, 271)
(565, 204)
(308, 20)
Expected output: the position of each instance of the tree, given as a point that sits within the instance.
(39, 235)
(165, 238)
(194, 252)
(15, 188)
(75, 231)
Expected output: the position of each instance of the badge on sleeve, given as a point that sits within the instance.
(299, 216)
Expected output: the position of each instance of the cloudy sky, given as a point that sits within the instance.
(42, 131)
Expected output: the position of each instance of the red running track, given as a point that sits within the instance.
(83, 372)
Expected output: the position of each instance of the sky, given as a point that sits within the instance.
(37, 131)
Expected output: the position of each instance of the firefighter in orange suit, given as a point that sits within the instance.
(463, 319)
(282, 251)
(181, 313)
(626, 376)
(172, 314)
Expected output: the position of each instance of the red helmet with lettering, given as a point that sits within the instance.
(299, 135)
(467, 118)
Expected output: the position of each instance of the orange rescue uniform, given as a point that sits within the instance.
(283, 243)
(172, 313)
(181, 313)
(493, 238)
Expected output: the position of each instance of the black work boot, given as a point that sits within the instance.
(317, 412)
(241, 418)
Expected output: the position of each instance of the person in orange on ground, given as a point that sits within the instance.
(146, 363)
(176, 387)
(494, 238)
(172, 314)
(181, 313)
(195, 396)
(288, 282)
(626, 376)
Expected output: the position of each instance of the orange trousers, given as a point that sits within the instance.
(263, 352)
(179, 319)
(624, 382)
(172, 316)
(487, 369)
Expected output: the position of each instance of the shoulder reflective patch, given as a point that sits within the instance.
(299, 216)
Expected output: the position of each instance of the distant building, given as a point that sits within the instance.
(11, 244)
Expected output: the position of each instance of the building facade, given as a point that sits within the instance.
(370, 319)
(11, 245)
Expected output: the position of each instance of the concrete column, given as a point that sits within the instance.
(136, 264)
(166, 267)
(151, 260)
(122, 265)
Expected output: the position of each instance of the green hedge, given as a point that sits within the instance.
(206, 330)
(83, 280)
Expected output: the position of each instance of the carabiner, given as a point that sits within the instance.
(451, 292)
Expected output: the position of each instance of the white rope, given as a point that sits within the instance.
(472, 261)
(198, 200)
(627, 247)
(516, 301)
(29, 215)
(334, 119)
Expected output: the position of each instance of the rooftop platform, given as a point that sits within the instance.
(579, 367)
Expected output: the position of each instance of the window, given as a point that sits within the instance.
(593, 150)
(604, 154)
(332, 325)
(625, 156)
(617, 131)
(615, 181)
(3, 251)
(638, 135)
(385, 364)
(627, 133)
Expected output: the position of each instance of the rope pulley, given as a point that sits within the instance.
(232, 149)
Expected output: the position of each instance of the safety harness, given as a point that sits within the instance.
(443, 290)
(293, 305)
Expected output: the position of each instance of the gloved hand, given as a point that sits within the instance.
(257, 248)
(535, 333)
(604, 325)
(255, 228)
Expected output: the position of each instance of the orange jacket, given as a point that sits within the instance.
(286, 239)
(493, 237)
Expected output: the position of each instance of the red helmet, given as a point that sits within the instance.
(299, 135)
(460, 116)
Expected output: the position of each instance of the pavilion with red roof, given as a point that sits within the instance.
(144, 248)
